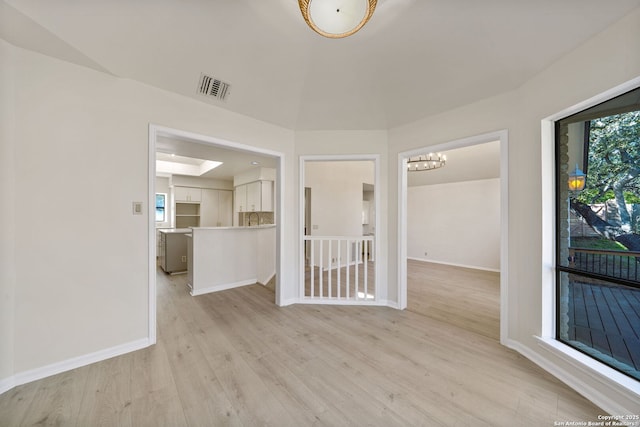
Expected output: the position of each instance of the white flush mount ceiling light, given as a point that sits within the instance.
(337, 18)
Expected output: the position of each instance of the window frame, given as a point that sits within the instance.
(558, 266)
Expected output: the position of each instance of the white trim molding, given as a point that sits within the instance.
(73, 363)
(223, 287)
(157, 130)
(453, 264)
(603, 394)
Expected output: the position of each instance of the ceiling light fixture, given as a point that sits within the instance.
(426, 163)
(337, 18)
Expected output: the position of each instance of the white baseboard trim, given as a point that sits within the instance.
(381, 303)
(335, 301)
(223, 287)
(602, 395)
(7, 384)
(269, 277)
(390, 304)
(73, 363)
(453, 264)
(289, 301)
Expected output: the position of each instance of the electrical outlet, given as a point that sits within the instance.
(425, 254)
(184, 258)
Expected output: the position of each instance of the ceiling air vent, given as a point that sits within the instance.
(212, 87)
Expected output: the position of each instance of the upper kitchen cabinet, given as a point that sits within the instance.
(254, 191)
(255, 197)
(260, 196)
(216, 208)
(188, 194)
(241, 198)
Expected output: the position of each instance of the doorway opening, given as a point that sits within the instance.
(338, 246)
(198, 146)
(449, 253)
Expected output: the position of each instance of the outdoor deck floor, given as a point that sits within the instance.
(607, 319)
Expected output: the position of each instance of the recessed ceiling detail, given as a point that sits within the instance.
(169, 164)
(214, 88)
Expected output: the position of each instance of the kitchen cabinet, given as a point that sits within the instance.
(216, 209)
(187, 194)
(241, 198)
(187, 215)
(255, 196)
(173, 250)
(225, 208)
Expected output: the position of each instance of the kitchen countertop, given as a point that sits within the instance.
(174, 230)
(252, 227)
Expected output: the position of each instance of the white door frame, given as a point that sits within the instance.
(375, 158)
(154, 132)
(501, 136)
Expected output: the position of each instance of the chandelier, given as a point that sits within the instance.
(336, 18)
(426, 162)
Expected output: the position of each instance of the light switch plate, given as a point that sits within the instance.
(137, 208)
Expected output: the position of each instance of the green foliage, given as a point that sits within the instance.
(614, 157)
(631, 198)
(596, 243)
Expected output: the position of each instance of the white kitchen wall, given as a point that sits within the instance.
(81, 286)
(456, 223)
(574, 78)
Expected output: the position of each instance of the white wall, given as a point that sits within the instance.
(336, 196)
(456, 223)
(7, 213)
(574, 78)
(81, 282)
(336, 201)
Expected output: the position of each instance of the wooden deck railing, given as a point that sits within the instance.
(618, 264)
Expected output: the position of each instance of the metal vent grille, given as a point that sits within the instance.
(212, 87)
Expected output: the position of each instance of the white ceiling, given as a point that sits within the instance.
(234, 162)
(472, 163)
(413, 59)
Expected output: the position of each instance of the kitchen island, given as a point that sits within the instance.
(222, 258)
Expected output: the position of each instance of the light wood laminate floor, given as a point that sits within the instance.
(234, 358)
